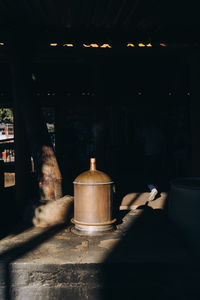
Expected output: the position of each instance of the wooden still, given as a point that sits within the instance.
(93, 202)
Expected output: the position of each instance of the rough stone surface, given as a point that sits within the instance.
(144, 258)
(54, 212)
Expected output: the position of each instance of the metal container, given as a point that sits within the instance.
(184, 210)
(93, 197)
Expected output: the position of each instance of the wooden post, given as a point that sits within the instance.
(22, 162)
(30, 114)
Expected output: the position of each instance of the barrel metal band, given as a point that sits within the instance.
(93, 224)
(93, 183)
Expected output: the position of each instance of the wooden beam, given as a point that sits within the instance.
(30, 113)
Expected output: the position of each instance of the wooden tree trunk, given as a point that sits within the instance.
(41, 149)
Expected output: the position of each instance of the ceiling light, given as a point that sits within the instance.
(130, 45)
(163, 45)
(68, 45)
(53, 44)
(149, 45)
(105, 46)
(141, 45)
(2, 44)
(94, 45)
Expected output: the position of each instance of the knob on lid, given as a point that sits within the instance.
(92, 164)
(93, 175)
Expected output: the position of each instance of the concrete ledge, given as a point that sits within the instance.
(143, 257)
(102, 281)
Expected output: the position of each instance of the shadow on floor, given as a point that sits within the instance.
(151, 261)
(18, 251)
(10, 223)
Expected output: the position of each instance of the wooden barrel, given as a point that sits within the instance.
(93, 202)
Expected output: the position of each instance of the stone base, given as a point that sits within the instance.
(144, 258)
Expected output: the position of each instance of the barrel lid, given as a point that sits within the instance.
(93, 176)
(192, 183)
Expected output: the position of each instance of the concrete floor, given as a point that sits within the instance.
(144, 257)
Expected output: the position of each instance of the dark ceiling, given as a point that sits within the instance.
(150, 20)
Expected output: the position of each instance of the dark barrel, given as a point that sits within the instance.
(184, 209)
